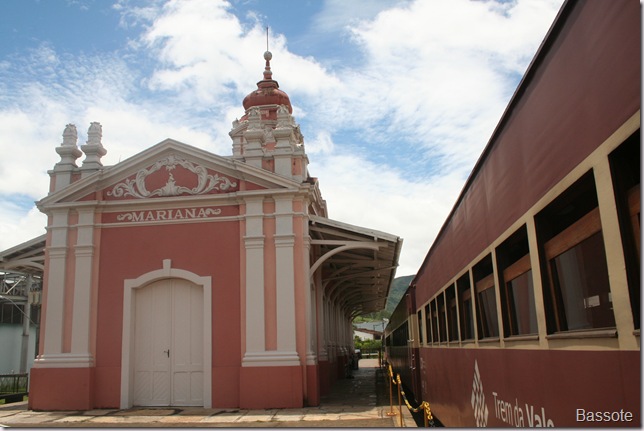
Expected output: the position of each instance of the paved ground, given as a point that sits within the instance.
(361, 402)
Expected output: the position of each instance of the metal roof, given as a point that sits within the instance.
(27, 258)
(357, 264)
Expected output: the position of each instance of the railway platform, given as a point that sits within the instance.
(360, 402)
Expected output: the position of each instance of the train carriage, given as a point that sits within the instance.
(527, 305)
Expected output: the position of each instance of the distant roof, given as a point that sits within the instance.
(28, 257)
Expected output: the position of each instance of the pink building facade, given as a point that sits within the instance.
(179, 277)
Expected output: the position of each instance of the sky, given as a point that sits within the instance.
(396, 99)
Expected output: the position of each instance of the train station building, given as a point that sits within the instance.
(179, 277)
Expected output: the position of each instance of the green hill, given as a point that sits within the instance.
(398, 289)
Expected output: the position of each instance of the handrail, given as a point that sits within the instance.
(424, 405)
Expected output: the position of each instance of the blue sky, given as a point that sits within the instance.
(396, 99)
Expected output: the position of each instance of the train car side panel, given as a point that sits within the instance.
(526, 388)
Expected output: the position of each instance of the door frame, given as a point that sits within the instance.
(127, 349)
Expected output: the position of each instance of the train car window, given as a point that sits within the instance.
(421, 335)
(435, 325)
(522, 316)
(578, 295)
(633, 198)
(465, 307)
(486, 312)
(452, 314)
(517, 292)
(10, 313)
(625, 172)
(401, 336)
(428, 324)
(442, 317)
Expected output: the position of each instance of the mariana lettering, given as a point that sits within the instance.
(166, 215)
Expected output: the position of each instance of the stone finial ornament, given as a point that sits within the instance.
(94, 133)
(93, 149)
(70, 135)
(68, 151)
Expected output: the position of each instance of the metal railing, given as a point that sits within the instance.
(13, 387)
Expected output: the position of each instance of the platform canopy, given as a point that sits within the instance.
(356, 265)
(21, 270)
(26, 258)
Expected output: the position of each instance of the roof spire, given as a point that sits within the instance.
(267, 56)
(268, 92)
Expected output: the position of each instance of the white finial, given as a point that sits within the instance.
(70, 136)
(95, 133)
(93, 149)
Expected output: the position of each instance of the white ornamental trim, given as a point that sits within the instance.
(205, 182)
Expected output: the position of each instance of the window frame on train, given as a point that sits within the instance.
(518, 305)
(625, 169)
(466, 306)
(487, 311)
(571, 246)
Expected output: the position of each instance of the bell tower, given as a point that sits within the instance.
(267, 136)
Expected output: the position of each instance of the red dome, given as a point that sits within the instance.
(268, 92)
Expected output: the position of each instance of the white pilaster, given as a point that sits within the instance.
(285, 280)
(254, 246)
(311, 298)
(57, 263)
(254, 135)
(283, 153)
(253, 151)
(84, 254)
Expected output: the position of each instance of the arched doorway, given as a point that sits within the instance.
(167, 339)
(168, 344)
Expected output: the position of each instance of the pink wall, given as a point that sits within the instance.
(206, 249)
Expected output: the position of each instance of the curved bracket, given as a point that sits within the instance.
(348, 246)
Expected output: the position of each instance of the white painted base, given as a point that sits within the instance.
(271, 359)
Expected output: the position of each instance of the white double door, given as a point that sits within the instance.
(168, 344)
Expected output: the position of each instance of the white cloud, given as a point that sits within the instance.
(437, 74)
(321, 143)
(339, 15)
(17, 226)
(428, 87)
(379, 197)
(208, 56)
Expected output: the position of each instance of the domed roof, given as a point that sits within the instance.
(268, 92)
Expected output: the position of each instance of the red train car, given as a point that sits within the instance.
(526, 309)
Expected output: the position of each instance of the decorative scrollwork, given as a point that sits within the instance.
(205, 182)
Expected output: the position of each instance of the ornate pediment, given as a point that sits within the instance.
(167, 170)
(193, 179)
